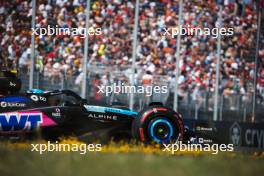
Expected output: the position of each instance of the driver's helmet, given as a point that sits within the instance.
(35, 91)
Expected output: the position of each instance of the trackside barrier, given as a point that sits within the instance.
(240, 134)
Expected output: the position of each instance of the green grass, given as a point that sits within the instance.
(23, 162)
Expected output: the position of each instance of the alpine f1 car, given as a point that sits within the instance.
(64, 113)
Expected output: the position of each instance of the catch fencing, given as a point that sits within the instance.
(193, 104)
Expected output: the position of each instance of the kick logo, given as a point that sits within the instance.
(22, 121)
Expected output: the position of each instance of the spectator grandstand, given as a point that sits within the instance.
(62, 54)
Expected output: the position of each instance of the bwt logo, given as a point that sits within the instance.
(17, 122)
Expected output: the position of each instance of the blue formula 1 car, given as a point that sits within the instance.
(64, 113)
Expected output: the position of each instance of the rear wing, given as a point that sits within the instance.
(9, 83)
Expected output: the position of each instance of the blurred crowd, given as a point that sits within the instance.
(62, 54)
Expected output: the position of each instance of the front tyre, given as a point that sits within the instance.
(158, 124)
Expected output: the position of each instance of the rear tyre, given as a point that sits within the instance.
(158, 124)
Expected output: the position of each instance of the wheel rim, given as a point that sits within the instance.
(161, 130)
